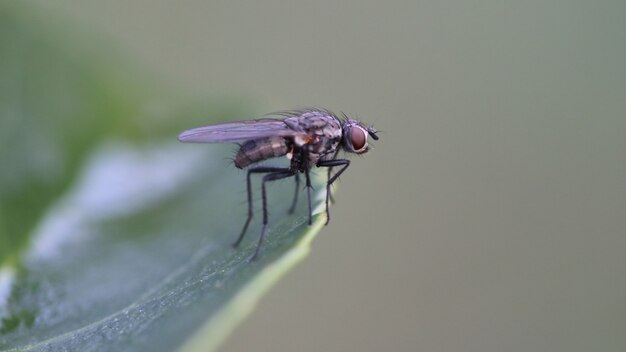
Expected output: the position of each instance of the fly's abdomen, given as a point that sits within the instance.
(260, 149)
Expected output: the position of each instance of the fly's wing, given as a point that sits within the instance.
(238, 131)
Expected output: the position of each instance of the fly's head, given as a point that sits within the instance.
(354, 138)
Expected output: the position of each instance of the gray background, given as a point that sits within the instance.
(490, 216)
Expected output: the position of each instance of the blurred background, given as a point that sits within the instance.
(491, 214)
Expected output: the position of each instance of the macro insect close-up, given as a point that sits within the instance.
(149, 203)
(308, 138)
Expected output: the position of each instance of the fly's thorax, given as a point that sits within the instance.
(260, 149)
(322, 148)
(312, 121)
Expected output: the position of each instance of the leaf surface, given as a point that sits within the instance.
(114, 236)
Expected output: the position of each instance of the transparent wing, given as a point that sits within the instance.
(238, 131)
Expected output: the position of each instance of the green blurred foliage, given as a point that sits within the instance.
(61, 94)
(155, 276)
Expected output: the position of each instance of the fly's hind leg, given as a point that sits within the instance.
(251, 171)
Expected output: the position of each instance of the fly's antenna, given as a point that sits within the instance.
(372, 132)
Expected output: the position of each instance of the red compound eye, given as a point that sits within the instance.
(357, 138)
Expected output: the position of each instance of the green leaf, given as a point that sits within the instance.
(113, 236)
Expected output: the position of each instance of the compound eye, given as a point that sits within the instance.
(358, 138)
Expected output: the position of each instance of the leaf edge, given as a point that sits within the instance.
(214, 332)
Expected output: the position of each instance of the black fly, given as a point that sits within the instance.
(309, 138)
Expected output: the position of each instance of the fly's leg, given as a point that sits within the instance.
(330, 169)
(251, 171)
(295, 195)
(330, 195)
(267, 178)
(308, 194)
(329, 164)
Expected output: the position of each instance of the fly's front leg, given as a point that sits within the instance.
(330, 169)
(267, 178)
(330, 195)
(331, 163)
(259, 169)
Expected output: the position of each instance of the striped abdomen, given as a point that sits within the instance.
(260, 149)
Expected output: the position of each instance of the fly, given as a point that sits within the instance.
(309, 138)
